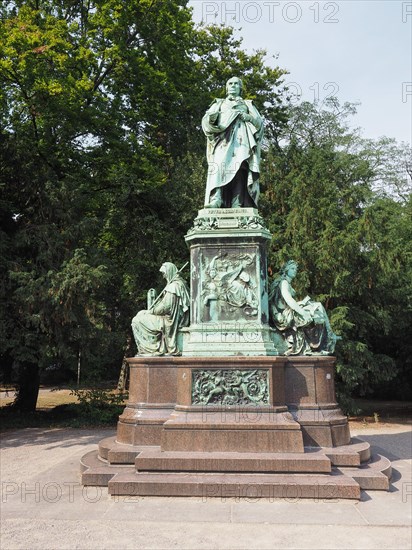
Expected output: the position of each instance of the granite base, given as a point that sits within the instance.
(295, 439)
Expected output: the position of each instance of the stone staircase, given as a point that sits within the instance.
(318, 473)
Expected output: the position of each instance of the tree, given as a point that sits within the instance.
(72, 128)
(352, 245)
(101, 108)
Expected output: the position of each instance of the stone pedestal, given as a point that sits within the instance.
(310, 398)
(152, 398)
(233, 414)
(228, 285)
(243, 404)
(271, 427)
(231, 404)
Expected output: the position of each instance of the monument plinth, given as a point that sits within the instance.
(233, 384)
(268, 423)
(152, 398)
(231, 404)
(228, 285)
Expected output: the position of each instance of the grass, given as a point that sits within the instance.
(378, 412)
(59, 408)
(48, 400)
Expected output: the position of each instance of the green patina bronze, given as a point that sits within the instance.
(234, 131)
(231, 310)
(207, 220)
(155, 330)
(303, 324)
(229, 296)
(230, 387)
(229, 287)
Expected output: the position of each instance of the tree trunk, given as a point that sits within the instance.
(28, 387)
(6, 368)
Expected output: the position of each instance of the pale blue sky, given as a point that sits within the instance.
(359, 50)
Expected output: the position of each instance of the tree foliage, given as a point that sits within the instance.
(101, 104)
(103, 170)
(352, 240)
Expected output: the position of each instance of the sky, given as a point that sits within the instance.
(357, 50)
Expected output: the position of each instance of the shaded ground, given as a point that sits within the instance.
(58, 408)
(383, 411)
(48, 398)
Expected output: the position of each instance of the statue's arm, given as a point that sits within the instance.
(257, 122)
(254, 117)
(210, 121)
(164, 306)
(291, 302)
(213, 123)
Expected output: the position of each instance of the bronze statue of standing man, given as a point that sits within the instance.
(234, 131)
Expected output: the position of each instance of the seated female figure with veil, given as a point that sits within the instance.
(155, 330)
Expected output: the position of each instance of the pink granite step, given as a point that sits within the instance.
(373, 475)
(354, 454)
(105, 445)
(178, 461)
(97, 472)
(119, 453)
(218, 485)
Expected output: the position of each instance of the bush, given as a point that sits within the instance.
(98, 406)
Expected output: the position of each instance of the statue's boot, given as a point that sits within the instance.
(216, 201)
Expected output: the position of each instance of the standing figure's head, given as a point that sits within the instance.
(290, 268)
(234, 87)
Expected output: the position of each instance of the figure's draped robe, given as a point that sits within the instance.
(155, 332)
(303, 337)
(230, 141)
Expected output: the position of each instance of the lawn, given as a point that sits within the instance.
(61, 408)
(48, 398)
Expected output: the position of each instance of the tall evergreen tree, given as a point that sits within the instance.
(352, 245)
